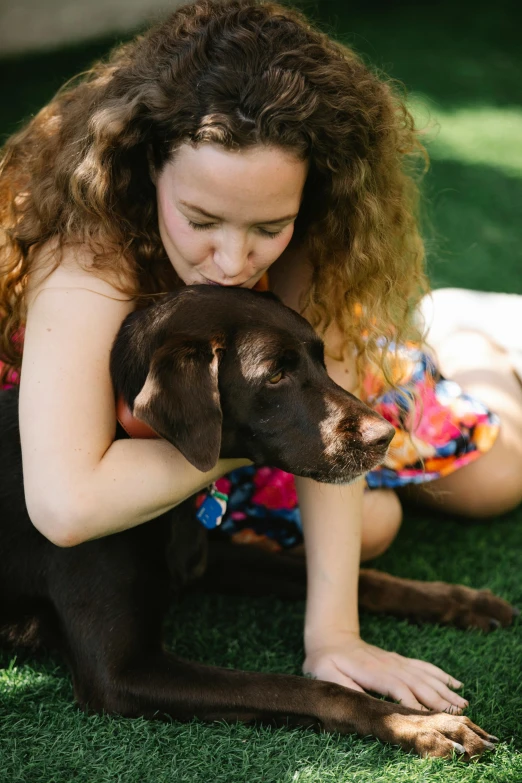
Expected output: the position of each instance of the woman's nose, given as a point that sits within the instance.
(232, 256)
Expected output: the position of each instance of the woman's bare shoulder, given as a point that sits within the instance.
(75, 270)
(290, 276)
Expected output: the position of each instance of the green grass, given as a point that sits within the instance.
(462, 65)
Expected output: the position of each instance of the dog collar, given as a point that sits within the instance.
(262, 284)
(135, 428)
(211, 505)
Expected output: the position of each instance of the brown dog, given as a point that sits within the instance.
(230, 373)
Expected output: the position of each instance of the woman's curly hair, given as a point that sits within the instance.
(235, 73)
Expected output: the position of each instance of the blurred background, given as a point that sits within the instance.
(460, 62)
(27, 25)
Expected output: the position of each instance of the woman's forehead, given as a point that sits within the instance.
(259, 183)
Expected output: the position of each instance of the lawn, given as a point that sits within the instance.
(462, 65)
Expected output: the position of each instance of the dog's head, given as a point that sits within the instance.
(234, 373)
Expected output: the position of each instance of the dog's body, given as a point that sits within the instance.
(217, 373)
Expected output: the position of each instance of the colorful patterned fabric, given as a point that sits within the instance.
(439, 428)
(13, 379)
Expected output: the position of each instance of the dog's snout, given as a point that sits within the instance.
(376, 433)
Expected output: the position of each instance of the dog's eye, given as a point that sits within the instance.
(276, 378)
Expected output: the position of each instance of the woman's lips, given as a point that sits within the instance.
(224, 285)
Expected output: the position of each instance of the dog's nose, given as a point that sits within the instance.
(376, 433)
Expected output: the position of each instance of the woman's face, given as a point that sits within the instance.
(225, 217)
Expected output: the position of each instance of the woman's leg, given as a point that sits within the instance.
(490, 486)
(382, 518)
(493, 484)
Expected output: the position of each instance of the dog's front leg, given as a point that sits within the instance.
(162, 684)
(110, 597)
(435, 602)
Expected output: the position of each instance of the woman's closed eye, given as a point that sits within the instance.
(203, 226)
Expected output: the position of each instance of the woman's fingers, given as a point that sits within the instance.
(415, 684)
(428, 668)
(397, 689)
(433, 693)
(381, 679)
(435, 672)
(454, 699)
(430, 684)
(385, 684)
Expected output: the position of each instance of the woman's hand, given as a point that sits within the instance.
(347, 660)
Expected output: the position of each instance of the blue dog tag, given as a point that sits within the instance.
(211, 511)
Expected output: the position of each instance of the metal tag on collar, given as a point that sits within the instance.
(211, 511)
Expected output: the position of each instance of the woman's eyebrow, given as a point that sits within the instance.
(215, 217)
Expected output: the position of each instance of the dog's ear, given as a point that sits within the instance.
(180, 399)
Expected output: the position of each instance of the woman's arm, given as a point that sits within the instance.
(331, 516)
(332, 521)
(334, 649)
(79, 483)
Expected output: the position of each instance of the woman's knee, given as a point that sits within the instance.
(487, 488)
(382, 518)
(500, 493)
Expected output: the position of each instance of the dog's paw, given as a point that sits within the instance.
(440, 734)
(468, 608)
